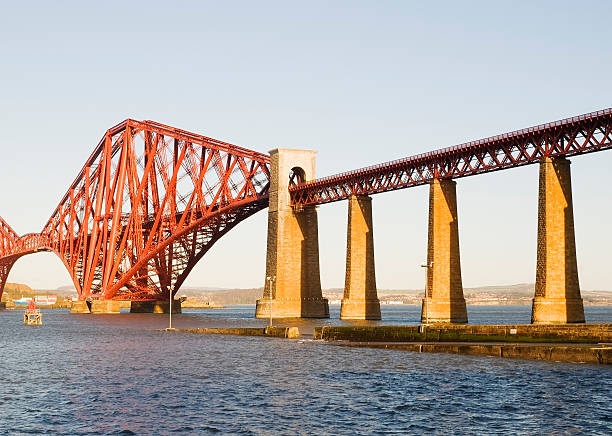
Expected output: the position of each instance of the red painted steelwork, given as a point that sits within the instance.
(8, 237)
(8, 240)
(148, 204)
(577, 135)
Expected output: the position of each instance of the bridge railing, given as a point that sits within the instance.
(31, 242)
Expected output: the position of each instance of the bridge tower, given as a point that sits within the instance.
(293, 284)
(444, 301)
(557, 291)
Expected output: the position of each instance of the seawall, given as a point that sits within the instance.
(564, 333)
(577, 343)
(554, 352)
(277, 332)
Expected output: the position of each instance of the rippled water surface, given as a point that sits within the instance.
(119, 374)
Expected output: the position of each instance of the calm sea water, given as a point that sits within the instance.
(119, 374)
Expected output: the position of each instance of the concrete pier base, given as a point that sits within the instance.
(445, 311)
(557, 297)
(292, 287)
(557, 311)
(105, 306)
(353, 308)
(444, 301)
(155, 307)
(79, 307)
(95, 306)
(360, 298)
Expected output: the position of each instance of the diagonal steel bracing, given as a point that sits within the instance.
(147, 205)
(577, 135)
(152, 199)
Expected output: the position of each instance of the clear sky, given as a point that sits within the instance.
(361, 82)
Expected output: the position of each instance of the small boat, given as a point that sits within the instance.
(23, 301)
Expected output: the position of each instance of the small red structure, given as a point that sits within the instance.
(32, 306)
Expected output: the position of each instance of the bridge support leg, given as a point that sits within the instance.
(5, 269)
(95, 306)
(444, 301)
(293, 284)
(360, 298)
(557, 291)
(80, 306)
(105, 306)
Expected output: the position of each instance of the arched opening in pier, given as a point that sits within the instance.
(297, 175)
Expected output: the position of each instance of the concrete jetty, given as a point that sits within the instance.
(574, 353)
(276, 332)
(577, 343)
(441, 332)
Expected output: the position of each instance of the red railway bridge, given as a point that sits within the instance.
(147, 205)
(152, 199)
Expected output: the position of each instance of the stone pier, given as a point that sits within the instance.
(95, 306)
(444, 301)
(292, 286)
(155, 307)
(79, 306)
(557, 291)
(360, 298)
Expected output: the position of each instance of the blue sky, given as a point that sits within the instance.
(361, 82)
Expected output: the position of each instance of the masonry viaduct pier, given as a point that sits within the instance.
(292, 229)
(152, 199)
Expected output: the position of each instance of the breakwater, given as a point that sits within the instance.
(584, 343)
(564, 333)
(276, 332)
(595, 354)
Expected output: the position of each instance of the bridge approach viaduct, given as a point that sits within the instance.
(292, 267)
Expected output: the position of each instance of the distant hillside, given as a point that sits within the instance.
(235, 296)
(517, 294)
(14, 291)
(521, 289)
(62, 290)
(518, 289)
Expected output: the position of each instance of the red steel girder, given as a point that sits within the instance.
(577, 135)
(147, 205)
(8, 243)
(8, 238)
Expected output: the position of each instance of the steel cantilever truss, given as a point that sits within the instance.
(577, 135)
(8, 240)
(147, 205)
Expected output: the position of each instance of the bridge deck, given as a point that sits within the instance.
(576, 135)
